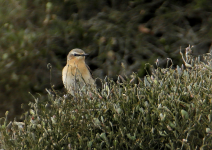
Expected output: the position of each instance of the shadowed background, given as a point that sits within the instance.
(35, 33)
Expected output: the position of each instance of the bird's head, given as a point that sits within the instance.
(76, 54)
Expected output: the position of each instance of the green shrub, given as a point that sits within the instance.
(170, 109)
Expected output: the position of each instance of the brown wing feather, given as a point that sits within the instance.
(89, 70)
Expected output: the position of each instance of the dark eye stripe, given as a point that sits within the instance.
(76, 54)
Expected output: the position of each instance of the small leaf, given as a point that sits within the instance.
(184, 114)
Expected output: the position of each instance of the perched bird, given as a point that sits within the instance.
(76, 74)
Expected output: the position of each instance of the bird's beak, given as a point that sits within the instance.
(85, 54)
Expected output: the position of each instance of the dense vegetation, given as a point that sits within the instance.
(35, 33)
(170, 109)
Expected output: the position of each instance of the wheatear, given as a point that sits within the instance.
(76, 74)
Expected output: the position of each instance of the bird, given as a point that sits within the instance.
(76, 75)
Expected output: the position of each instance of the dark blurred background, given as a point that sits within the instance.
(133, 32)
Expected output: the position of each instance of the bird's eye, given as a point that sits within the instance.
(75, 54)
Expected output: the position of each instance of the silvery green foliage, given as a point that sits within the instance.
(169, 109)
